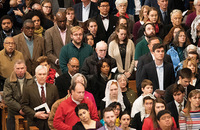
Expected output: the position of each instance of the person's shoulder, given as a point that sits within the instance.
(78, 5)
(18, 36)
(102, 128)
(51, 29)
(141, 43)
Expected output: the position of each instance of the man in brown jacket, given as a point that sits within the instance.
(31, 45)
(12, 91)
(8, 58)
(55, 38)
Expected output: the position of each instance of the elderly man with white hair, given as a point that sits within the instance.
(89, 66)
(37, 94)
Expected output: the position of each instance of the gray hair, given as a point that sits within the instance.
(40, 67)
(7, 38)
(175, 11)
(119, 76)
(195, 2)
(118, 2)
(27, 21)
(194, 25)
(101, 43)
(73, 80)
(20, 62)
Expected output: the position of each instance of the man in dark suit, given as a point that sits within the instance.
(164, 11)
(158, 71)
(36, 94)
(147, 58)
(178, 103)
(106, 22)
(85, 10)
(63, 82)
(55, 38)
(185, 76)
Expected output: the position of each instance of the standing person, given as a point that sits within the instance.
(189, 118)
(71, 19)
(7, 29)
(31, 45)
(47, 10)
(65, 116)
(76, 48)
(55, 38)
(13, 91)
(82, 111)
(151, 123)
(122, 49)
(36, 94)
(92, 28)
(85, 9)
(105, 21)
(109, 118)
(164, 11)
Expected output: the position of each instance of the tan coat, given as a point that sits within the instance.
(38, 50)
(7, 63)
(114, 52)
(54, 43)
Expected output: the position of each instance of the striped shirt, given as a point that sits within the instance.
(192, 123)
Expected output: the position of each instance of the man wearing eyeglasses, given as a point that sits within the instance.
(76, 49)
(31, 45)
(105, 21)
(8, 58)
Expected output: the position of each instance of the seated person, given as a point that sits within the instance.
(113, 94)
(116, 106)
(165, 121)
(147, 88)
(139, 117)
(151, 123)
(52, 74)
(178, 104)
(125, 119)
(89, 39)
(126, 91)
(85, 123)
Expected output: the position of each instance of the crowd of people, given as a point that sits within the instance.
(66, 64)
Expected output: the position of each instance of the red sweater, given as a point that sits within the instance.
(65, 117)
(148, 124)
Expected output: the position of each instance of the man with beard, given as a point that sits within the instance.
(142, 46)
(109, 118)
(55, 38)
(7, 29)
(76, 49)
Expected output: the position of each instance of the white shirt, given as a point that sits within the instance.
(62, 35)
(160, 74)
(177, 105)
(85, 12)
(137, 7)
(105, 22)
(137, 106)
(75, 101)
(40, 89)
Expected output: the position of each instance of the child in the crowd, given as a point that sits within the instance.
(147, 88)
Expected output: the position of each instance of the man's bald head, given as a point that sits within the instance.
(73, 66)
(61, 20)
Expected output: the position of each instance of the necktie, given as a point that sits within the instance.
(43, 95)
(180, 107)
(164, 16)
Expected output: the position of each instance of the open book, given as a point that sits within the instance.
(42, 107)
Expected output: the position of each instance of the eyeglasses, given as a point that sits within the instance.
(47, 7)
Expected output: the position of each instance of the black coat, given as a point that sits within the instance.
(101, 32)
(171, 106)
(89, 68)
(63, 83)
(78, 10)
(149, 72)
(143, 60)
(136, 122)
(168, 97)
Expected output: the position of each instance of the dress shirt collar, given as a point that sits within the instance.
(77, 102)
(60, 30)
(29, 39)
(177, 105)
(159, 66)
(162, 12)
(87, 6)
(8, 35)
